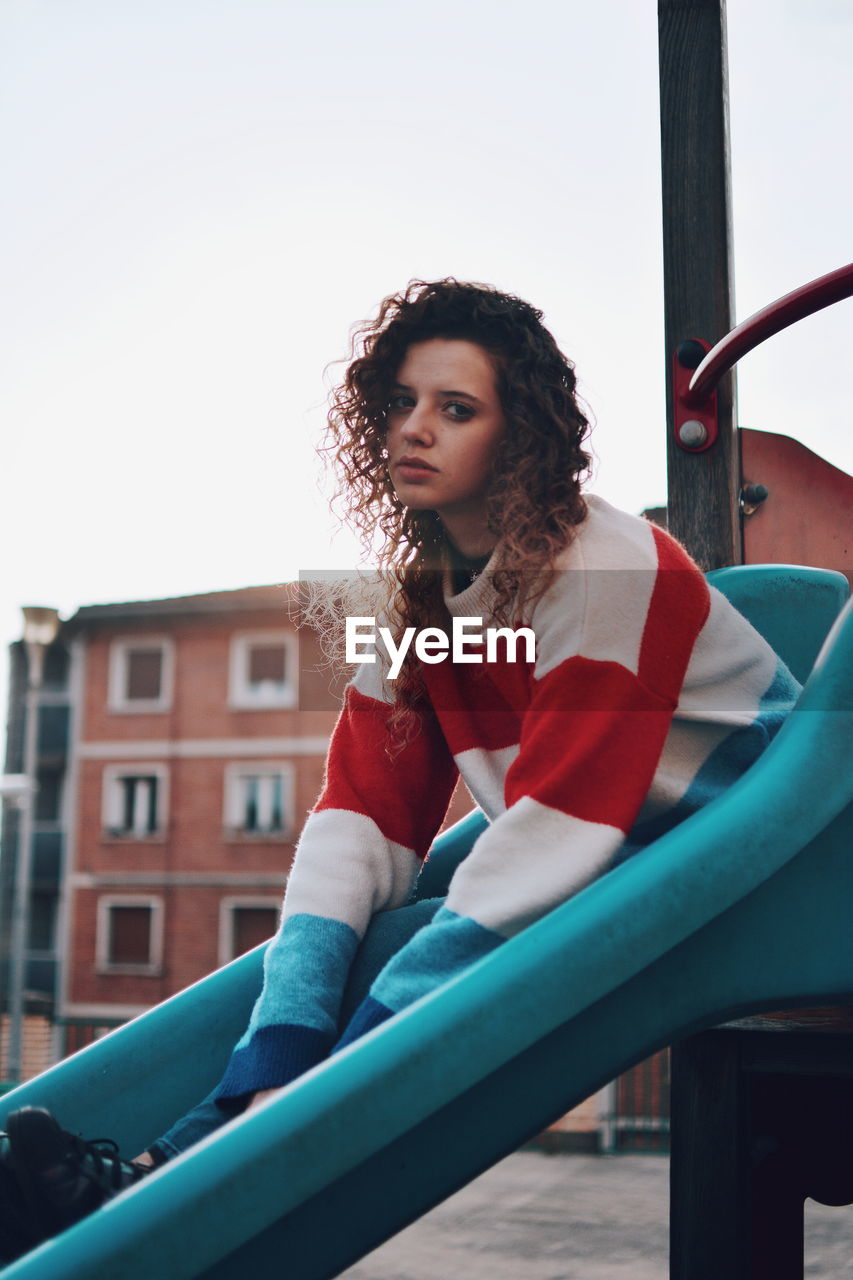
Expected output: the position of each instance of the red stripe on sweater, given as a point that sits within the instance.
(592, 741)
(480, 705)
(677, 613)
(407, 793)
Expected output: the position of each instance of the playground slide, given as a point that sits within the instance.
(745, 906)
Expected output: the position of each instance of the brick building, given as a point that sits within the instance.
(196, 751)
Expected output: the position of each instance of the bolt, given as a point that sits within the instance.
(690, 354)
(692, 434)
(751, 498)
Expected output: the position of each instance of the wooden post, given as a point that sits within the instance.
(697, 260)
(709, 1166)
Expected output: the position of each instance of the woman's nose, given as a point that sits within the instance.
(418, 425)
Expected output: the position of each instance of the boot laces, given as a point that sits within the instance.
(98, 1159)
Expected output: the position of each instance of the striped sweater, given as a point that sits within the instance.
(649, 694)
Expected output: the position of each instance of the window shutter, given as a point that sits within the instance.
(144, 674)
(130, 935)
(266, 663)
(252, 926)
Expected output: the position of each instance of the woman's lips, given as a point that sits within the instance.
(415, 469)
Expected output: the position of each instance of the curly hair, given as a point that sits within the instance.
(535, 498)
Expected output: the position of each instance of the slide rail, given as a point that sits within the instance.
(833, 287)
(697, 367)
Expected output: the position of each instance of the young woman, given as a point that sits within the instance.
(459, 439)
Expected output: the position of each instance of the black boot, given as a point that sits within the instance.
(63, 1178)
(18, 1233)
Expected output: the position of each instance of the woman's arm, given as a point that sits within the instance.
(359, 853)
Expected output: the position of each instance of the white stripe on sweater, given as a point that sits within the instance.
(732, 660)
(595, 607)
(686, 749)
(349, 870)
(484, 774)
(509, 880)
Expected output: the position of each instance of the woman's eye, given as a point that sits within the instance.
(396, 403)
(461, 412)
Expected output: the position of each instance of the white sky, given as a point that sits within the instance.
(200, 199)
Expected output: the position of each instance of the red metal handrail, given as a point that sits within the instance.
(785, 311)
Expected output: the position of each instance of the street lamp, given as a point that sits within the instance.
(40, 629)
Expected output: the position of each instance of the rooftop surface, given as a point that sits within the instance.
(239, 599)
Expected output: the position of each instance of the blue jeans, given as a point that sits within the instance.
(388, 932)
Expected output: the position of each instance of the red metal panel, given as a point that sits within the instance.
(808, 516)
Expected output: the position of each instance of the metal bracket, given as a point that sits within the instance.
(695, 424)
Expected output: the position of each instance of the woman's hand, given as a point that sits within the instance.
(261, 1096)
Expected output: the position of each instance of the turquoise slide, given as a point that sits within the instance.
(746, 906)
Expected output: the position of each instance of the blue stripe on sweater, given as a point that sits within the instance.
(725, 764)
(295, 1019)
(275, 1056)
(305, 969)
(439, 951)
(369, 1014)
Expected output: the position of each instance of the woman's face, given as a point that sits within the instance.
(444, 425)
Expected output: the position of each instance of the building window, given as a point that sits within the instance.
(55, 675)
(258, 799)
(244, 923)
(263, 671)
(129, 935)
(141, 674)
(42, 922)
(134, 801)
(48, 800)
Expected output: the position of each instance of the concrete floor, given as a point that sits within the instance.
(569, 1217)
